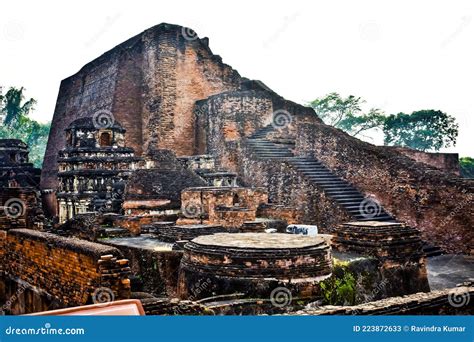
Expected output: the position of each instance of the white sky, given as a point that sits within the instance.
(402, 56)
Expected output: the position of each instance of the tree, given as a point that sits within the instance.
(467, 167)
(347, 114)
(422, 130)
(12, 107)
(17, 125)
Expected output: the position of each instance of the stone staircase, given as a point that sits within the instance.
(337, 189)
(347, 196)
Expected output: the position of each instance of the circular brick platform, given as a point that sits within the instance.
(384, 240)
(253, 264)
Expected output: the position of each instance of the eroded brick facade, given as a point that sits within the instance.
(68, 269)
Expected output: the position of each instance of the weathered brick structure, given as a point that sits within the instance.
(199, 191)
(226, 206)
(20, 200)
(433, 303)
(15, 169)
(440, 205)
(384, 240)
(254, 264)
(68, 271)
(150, 83)
(156, 191)
(170, 92)
(93, 167)
(447, 162)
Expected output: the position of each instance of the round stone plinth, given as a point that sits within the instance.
(253, 264)
(384, 240)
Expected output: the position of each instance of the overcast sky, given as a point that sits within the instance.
(403, 56)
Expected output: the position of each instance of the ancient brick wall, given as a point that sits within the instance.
(224, 119)
(157, 270)
(444, 302)
(150, 84)
(448, 162)
(20, 208)
(68, 269)
(287, 187)
(228, 207)
(440, 205)
(223, 123)
(290, 215)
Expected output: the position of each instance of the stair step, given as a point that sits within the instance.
(275, 157)
(261, 143)
(269, 148)
(312, 169)
(308, 165)
(342, 193)
(351, 195)
(317, 172)
(299, 164)
(272, 151)
(335, 188)
(341, 189)
(348, 201)
(330, 183)
(432, 251)
(376, 218)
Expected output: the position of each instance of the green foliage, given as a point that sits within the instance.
(422, 130)
(12, 107)
(467, 167)
(17, 125)
(347, 114)
(340, 288)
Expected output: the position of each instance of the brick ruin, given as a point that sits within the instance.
(170, 178)
(50, 271)
(254, 264)
(20, 202)
(93, 168)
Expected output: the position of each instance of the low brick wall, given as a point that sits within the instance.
(288, 188)
(225, 206)
(20, 208)
(279, 212)
(456, 301)
(447, 162)
(68, 269)
(155, 271)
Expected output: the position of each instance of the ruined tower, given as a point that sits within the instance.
(150, 84)
(20, 203)
(93, 167)
(170, 92)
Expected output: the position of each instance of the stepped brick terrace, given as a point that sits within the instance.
(172, 179)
